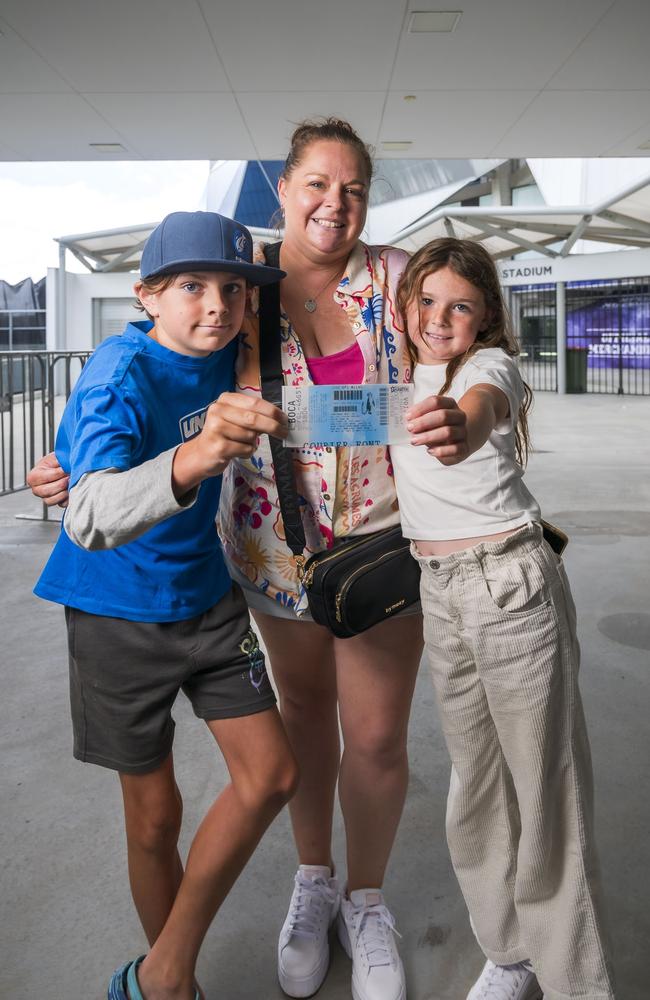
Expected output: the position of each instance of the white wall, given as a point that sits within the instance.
(81, 290)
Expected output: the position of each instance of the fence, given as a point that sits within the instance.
(607, 335)
(608, 322)
(534, 320)
(34, 386)
(22, 329)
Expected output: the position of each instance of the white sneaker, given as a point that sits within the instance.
(506, 982)
(303, 948)
(366, 930)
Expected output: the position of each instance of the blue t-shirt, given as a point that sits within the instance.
(135, 399)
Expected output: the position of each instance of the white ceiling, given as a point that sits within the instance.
(217, 79)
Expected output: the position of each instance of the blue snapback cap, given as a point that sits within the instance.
(203, 241)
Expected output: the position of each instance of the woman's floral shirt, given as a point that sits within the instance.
(341, 491)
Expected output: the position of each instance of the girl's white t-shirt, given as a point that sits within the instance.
(482, 495)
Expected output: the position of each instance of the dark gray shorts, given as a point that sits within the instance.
(124, 678)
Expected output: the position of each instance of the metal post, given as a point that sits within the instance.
(620, 345)
(560, 335)
(61, 338)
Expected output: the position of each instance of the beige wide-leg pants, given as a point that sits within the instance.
(500, 634)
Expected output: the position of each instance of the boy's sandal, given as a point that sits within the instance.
(117, 988)
(126, 979)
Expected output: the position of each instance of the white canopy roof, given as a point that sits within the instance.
(622, 219)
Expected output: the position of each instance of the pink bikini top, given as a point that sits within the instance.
(343, 368)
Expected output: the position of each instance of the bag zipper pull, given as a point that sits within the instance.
(300, 566)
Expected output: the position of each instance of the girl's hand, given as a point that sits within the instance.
(440, 425)
(231, 429)
(49, 482)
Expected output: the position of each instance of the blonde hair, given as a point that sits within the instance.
(472, 262)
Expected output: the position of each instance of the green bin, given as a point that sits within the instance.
(576, 369)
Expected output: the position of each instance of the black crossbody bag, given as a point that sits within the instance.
(363, 579)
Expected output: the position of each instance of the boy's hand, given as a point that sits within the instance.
(440, 425)
(231, 429)
(49, 482)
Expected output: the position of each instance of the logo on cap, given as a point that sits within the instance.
(240, 242)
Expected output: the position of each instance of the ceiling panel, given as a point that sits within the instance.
(570, 123)
(555, 78)
(630, 145)
(22, 70)
(294, 45)
(435, 121)
(273, 117)
(156, 45)
(52, 127)
(502, 44)
(206, 126)
(615, 55)
(8, 154)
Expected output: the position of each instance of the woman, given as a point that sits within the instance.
(339, 324)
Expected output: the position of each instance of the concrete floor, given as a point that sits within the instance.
(65, 910)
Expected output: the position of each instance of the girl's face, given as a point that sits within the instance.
(446, 317)
(325, 199)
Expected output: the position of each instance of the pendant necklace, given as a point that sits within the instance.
(310, 303)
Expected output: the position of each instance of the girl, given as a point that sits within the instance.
(500, 631)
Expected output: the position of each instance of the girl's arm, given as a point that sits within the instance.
(451, 431)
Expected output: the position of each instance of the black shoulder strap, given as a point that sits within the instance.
(271, 385)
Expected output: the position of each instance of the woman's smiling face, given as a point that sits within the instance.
(325, 199)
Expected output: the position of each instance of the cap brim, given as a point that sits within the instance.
(257, 274)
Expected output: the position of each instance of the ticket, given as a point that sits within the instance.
(344, 415)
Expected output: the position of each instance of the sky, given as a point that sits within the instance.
(40, 201)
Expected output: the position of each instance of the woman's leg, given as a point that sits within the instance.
(302, 663)
(263, 777)
(376, 674)
(152, 812)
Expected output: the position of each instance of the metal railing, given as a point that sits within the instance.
(22, 329)
(34, 386)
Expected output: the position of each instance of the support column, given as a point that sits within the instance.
(560, 335)
(61, 335)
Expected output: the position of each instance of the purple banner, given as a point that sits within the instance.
(614, 332)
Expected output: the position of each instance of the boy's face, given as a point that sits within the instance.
(200, 312)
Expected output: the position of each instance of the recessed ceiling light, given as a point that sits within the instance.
(645, 145)
(410, 97)
(434, 20)
(397, 144)
(107, 147)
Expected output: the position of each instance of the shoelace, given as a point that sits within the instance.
(309, 897)
(502, 981)
(375, 935)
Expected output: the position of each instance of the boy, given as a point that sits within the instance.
(150, 607)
